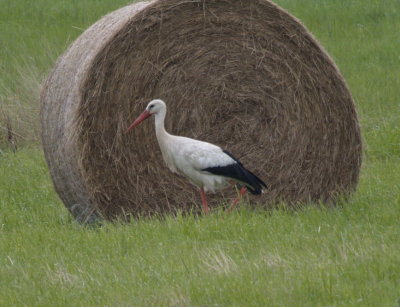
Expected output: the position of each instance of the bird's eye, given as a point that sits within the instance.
(150, 106)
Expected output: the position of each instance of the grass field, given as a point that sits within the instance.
(344, 256)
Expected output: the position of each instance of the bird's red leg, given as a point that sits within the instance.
(241, 193)
(204, 201)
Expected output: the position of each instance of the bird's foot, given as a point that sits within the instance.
(239, 197)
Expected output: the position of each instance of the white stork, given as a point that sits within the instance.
(207, 166)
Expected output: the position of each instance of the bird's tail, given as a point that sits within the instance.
(253, 183)
(239, 173)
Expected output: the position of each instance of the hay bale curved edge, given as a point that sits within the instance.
(246, 76)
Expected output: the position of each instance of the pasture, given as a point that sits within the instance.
(348, 255)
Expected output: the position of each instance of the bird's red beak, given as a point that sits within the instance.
(142, 117)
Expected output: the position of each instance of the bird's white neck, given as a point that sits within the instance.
(159, 119)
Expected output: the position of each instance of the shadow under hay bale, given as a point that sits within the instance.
(245, 75)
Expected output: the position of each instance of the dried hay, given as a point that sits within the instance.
(245, 75)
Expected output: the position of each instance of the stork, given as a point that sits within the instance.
(207, 166)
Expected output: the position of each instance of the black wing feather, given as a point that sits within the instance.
(238, 172)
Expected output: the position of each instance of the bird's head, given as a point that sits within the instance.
(153, 108)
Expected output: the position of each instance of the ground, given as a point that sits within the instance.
(348, 255)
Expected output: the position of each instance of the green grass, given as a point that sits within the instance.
(344, 256)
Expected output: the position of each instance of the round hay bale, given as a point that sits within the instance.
(245, 75)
